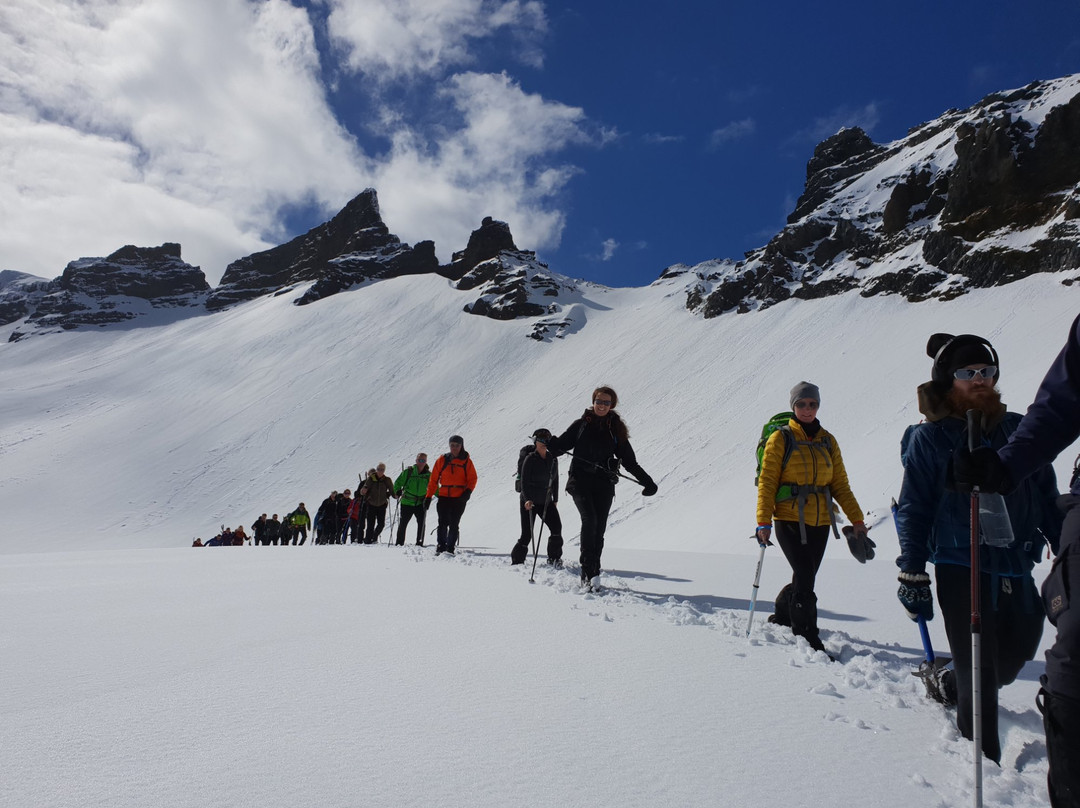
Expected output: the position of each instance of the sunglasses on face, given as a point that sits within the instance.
(602, 402)
(806, 405)
(967, 374)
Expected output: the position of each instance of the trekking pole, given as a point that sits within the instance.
(604, 468)
(753, 593)
(543, 519)
(974, 439)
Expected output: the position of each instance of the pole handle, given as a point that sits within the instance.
(974, 429)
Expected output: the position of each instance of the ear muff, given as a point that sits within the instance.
(940, 375)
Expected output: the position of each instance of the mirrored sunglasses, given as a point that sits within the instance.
(967, 374)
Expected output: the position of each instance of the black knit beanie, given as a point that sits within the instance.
(950, 353)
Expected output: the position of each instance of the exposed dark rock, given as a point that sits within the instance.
(130, 283)
(844, 155)
(978, 197)
(352, 247)
(485, 243)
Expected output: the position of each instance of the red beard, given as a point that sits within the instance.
(984, 398)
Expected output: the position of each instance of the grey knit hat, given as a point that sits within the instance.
(805, 390)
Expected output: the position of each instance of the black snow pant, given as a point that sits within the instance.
(593, 495)
(1060, 696)
(450, 510)
(550, 517)
(805, 560)
(1012, 623)
(407, 513)
(375, 520)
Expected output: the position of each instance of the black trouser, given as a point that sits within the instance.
(593, 495)
(1011, 619)
(407, 513)
(805, 560)
(376, 520)
(548, 516)
(1061, 685)
(299, 531)
(450, 510)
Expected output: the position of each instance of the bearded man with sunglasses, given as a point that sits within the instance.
(933, 523)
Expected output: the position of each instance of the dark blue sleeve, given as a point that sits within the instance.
(920, 496)
(1052, 421)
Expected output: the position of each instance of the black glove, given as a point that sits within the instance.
(982, 468)
(859, 543)
(466, 495)
(914, 594)
(649, 489)
(427, 503)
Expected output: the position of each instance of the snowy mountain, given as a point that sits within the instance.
(976, 198)
(138, 671)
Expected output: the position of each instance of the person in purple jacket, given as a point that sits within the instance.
(1051, 424)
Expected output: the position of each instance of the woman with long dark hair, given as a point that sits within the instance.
(598, 442)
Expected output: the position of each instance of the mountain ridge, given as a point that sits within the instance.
(975, 198)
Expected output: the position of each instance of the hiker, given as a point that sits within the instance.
(410, 488)
(326, 520)
(377, 492)
(273, 530)
(355, 516)
(239, 536)
(341, 515)
(299, 521)
(802, 475)
(453, 479)
(258, 531)
(538, 486)
(1051, 424)
(598, 441)
(933, 523)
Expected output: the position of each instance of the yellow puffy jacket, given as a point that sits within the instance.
(816, 462)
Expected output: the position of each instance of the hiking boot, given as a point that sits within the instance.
(555, 562)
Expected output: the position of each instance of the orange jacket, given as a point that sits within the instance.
(452, 476)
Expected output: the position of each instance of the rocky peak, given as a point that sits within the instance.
(485, 243)
(130, 283)
(352, 247)
(978, 197)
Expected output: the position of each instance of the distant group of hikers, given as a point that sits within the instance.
(968, 446)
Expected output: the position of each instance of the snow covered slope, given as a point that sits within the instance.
(148, 437)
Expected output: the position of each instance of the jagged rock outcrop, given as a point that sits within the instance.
(485, 243)
(352, 247)
(19, 294)
(130, 283)
(978, 197)
(512, 282)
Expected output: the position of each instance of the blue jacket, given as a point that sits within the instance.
(933, 521)
(1052, 422)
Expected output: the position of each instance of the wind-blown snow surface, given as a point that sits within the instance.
(139, 671)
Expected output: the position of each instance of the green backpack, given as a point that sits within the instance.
(778, 421)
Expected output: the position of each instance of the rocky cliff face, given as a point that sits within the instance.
(352, 247)
(130, 283)
(978, 197)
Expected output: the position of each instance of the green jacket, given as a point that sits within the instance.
(412, 485)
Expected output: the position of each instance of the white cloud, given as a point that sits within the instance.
(495, 164)
(736, 130)
(866, 117)
(202, 121)
(659, 139)
(188, 117)
(389, 39)
(608, 248)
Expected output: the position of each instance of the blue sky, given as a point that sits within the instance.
(616, 138)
